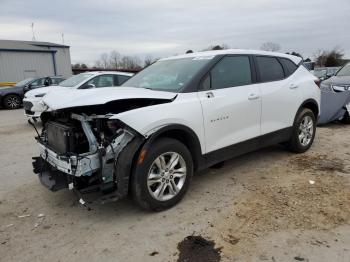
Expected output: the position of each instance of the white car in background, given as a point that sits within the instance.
(177, 116)
(32, 100)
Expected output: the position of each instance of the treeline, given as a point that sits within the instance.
(115, 60)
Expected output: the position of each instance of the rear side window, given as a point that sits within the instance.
(231, 71)
(269, 69)
(122, 79)
(289, 66)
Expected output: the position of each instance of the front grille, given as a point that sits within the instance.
(27, 105)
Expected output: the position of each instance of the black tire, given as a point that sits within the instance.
(294, 144)
(12, 102)
(139, 187)
(346, 118)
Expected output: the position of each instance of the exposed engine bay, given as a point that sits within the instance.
(81, 152)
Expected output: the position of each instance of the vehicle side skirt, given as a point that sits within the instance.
(247, 146)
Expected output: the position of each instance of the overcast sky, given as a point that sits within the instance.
(167, 27)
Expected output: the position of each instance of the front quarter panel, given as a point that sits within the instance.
(184, 110)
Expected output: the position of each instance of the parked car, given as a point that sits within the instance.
(335, 97)
(179, 115)
(31, 102)
(11, 96)
(324, 73)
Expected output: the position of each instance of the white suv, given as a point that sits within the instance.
(175, 117)
(31, 102)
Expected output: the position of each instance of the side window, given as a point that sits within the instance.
(229, 72)
(101, 81)
(289, 66)
(38, 82)
(122, 79)
(47, 81)
(269, 68)
(56, 81)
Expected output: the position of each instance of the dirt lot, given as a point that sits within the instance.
(269, 205)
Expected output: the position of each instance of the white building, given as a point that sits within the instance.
(24, 59)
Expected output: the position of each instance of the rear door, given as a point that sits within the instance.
(230, 102)
(279, 93)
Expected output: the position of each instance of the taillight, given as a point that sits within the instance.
(318, 82)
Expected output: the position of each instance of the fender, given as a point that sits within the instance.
(182, 133)
(309, 103)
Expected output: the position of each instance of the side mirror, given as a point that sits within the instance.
(88, 86)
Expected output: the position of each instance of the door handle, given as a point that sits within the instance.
(253, 96)
(209, 94)
(293, 86)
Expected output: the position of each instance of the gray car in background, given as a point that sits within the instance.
(335, 97)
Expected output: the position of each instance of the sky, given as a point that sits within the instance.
(161, 28)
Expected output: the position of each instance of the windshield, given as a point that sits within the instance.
(320, 72)
(168, 75)
(345, 71)
(24, 82)
(75, 80)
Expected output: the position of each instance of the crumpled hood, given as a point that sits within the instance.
(338, 80)
(69, 98)
(44, 90)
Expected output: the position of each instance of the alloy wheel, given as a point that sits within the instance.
(166, 176)
(12, 102)
(306, 130)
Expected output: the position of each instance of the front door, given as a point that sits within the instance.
(231, 104)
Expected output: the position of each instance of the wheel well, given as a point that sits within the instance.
(312, 105)
(189, 140)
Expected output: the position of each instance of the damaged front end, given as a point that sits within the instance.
(87, 153)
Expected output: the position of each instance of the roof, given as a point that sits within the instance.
(35, 46)
(109, 73)
(295, 59)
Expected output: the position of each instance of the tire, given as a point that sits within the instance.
(297, 143)
(346, 118)
(153, 175)
(12, 102)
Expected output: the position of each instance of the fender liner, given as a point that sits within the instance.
(314, 107)
(185, 135)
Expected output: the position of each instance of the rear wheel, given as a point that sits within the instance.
(163, 177)
(304, 131)
(346, 118)
(12, 102)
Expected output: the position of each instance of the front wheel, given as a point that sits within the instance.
(164, 175)
(304, 130)
(346, 118)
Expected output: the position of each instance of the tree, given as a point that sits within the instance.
(329, 58)
(76, 66)
(149, 60)
(103, 62)
(189, 51)
(270, 46)
(217, 47)
(114, 59)
(83, 66)
(334, 58)
(295, 53)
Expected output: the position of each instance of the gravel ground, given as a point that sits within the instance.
(270, 205)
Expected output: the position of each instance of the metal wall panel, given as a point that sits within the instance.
(16, 66)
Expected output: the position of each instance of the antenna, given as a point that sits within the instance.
(62, 35)
(33, 38)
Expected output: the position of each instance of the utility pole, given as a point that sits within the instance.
(33, 38)
(62, 35)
